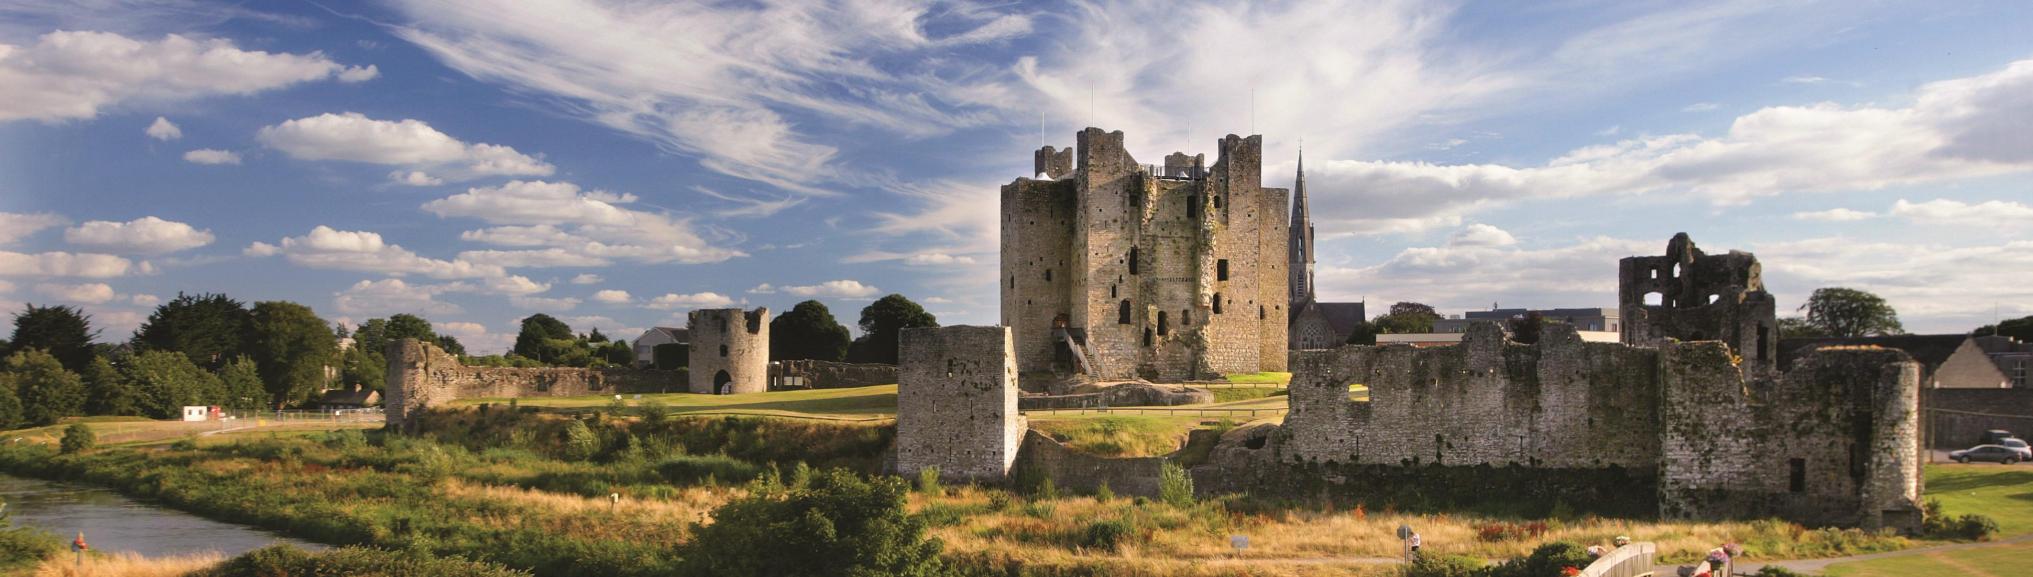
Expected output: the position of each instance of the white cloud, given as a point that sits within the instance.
(61, 264)
(696, 300)
(612, 296)
(384, 297)
(76, 74)
(164, 130)
(1700, 107)
(1470, 275)
(1481, 235)
(212, 156)
(544, 303)
(1994, 213)
(1954, 129)
(359, 74)
(408, 143)
(17, 226)
(1834, 215)
(936, 258)
(476, 338)
(763, 289)
(1935, 287)
(1803, 80)
(550, 257)
(88, 293)
(516, 285)
(587, 278)
(144, 300)
(6, 287)
(579, 227)
(833, 288)
(145, 235)
(749, 207)
(329, 248)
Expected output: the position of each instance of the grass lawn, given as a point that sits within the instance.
(1267, 378)
(2003, 492)
(117, 431)
(2003, 560)
(858, 402)
(1232, 394)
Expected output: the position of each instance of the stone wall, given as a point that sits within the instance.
(957, 403)
(1957, 418)
(804, 374)
(1076, 471)
(1700, 297)
(421, 376)
(730, 350)
(1162, 273)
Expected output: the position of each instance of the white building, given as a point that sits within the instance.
(645, 345)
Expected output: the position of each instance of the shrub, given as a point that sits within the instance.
(77, 438)
(1107, 535)
(1103, 493)
(928, 482)
(1972, 527)
(1445, 566)
(282, 560)
(1777, 571)
(1501, 531)
(1175, 487)
(1549, 559)
(999, 501)
(653, 412)
(184, 444)
(579, 443)
(839, 524)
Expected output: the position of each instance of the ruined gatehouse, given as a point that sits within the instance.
(1112, 269)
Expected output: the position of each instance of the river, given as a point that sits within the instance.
(114, 523)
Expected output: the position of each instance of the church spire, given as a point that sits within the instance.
(1300, 249)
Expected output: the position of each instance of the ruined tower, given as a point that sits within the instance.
(1689, 295)
(730, 351)
(1115, 269)
(957, 402)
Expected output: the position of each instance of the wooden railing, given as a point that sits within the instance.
(1633, 560)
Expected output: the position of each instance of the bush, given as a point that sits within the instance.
(1103, 493)
(77, 438)
(184, 444)
(1549, 559)
(579, 443)
(1108, 535)
(838, 524)
(1777, 571)
(285, 560)
(1175, 487)
(1445, 566)
(928, 482)
(1972, 527)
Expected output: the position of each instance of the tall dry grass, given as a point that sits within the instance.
(127, 565)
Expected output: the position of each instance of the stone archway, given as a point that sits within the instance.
(720, 383)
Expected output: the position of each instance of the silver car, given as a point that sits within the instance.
(2017, 444)
(1993, 453)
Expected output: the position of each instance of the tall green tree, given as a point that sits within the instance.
(47, 392)
(10, 405)
(291, 346)
(618, 353)
(240, 381)
(808, 331)
(2020, 329)
(107, 392)
(408, 326)
(209, 328)
(1406, 317)
(168, 381)
(881, 322)
(64, 332)
(372, 336)
(451, 345)
(538, 336)
(1799, 328)
(1846, 312)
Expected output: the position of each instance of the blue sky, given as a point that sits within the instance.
(618, 163)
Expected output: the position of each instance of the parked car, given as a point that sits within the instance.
(1992, 436)
(1992, 453)
(2017, 444)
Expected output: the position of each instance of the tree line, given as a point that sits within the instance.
(809, 331)
(1829, 312)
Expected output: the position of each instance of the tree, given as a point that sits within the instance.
(211, 329)
(167, 381)
(47, 392)
(372, 336)
(619, 354)
(408, 326)
(881, 322)
(1844, 312)
(1799, 328)
(10, 405)
(78, 438)
(671, 356)
(595, 336)
(1526, 329)
(536, 339)
(291, 346)
(808, 331)
(835, 523)
(240, 381)
(2020, 329)
(1406, 317)
(358, 367)
(65, 332)
(451, 345)
(107, 392)
(1363, 334)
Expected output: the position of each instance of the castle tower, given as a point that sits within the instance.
(730, 351)
(957, 402)
(1301, 265)
(1690, 295)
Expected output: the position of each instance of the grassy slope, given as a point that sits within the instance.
(1990, 561)
(2004, 492)
(875, 401)
(1271, 378)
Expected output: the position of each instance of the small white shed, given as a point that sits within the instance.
(197, 413)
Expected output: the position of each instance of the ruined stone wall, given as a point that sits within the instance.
(729, 351)
(1054, 163)
(1835, 440)
(810, 374)
(1700, 297)
(1564, 404)
(421, 376)
(957, 403)
(1155, 241)
(1076, 471)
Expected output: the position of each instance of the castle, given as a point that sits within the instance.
(1114, 270)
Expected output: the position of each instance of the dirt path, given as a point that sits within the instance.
(1815, 566)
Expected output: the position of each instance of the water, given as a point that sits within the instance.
(114, 523)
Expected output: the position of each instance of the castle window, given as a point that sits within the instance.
(1217, 202)
(1221, 269)
(1012, 281)
(1111, 291)
(1192, 206)
(1217, 303)
(1132, 260)
(1048, 275)
(1147, 336)
(1796, 475)
(1163, 329)
(1654, 299)
(1713, 298)
(1764, 332)
(1260, 312)
(723, 350)
(1185, 317)
(1675, 273)
(1122, 313)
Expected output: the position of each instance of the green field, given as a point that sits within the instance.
(2003, 492)
(2001, 560)
(852, 403)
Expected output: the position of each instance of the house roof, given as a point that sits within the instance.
(1343, 316)
(676, 334)
(361, 396)
(1930, 350)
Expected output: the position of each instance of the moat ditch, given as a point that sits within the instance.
(114, 523)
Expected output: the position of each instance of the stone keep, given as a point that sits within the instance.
(957, 403)
(1115, 270)
(1689, 295)
(730, 351)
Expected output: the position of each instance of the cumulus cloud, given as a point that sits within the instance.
(144, 300)
(328, 248)
(65, 264)
(1700, 107)
(612, 297)
(1471, 275)
(390, 296)
(145, 235)
(1935, 287)
(544, 303)
(1994, 213)
(695, 300)
(476, 338)
(88, 293)
(76, 74)
(587, 278)
(17, 226)
(212, 156)
(577, 227)
(1834, 215)
(834, 288)
(164, 130)
(427, 155)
